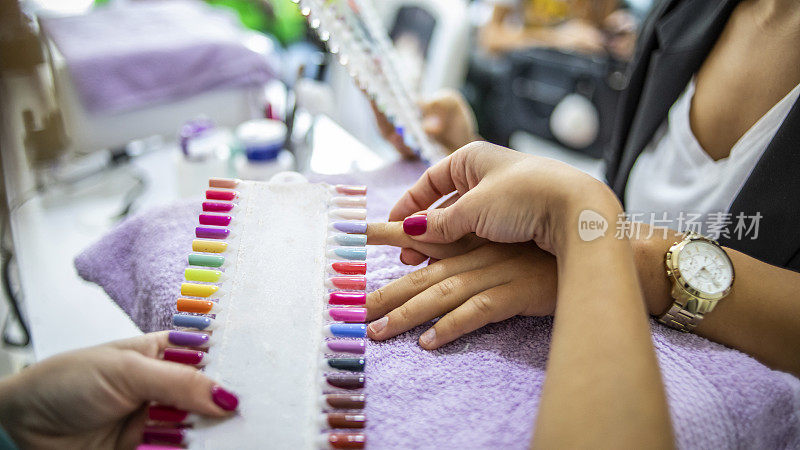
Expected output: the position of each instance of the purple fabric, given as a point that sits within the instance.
(480, 391)
(124, 57)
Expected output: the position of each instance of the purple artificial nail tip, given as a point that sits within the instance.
(356, 346)
(211, 233)
(188, 338)
(351, 227)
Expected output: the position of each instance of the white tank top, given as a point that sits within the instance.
(674, 177)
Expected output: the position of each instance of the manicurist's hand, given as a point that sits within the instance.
(96, 397)
(501, 195)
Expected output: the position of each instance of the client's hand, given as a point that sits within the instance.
(446, 118)
(488, 284)
(96, 397)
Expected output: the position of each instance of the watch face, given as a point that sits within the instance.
(705, 267)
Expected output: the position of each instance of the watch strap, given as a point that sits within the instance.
(680, 319)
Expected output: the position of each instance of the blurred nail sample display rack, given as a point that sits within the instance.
(273, 309)
(353, 31)
(255, 151)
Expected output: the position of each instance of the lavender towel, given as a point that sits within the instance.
(480, 391)
(124, 57)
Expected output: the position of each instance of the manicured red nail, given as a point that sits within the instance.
(163, 434)
(161, 413)
(224, 399)
(415, 225)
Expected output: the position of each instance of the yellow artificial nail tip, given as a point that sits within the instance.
(201, 245)
(207, 275)
(198, 290)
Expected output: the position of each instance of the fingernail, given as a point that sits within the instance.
(432, 122)
(355, 346)
(346, 440)
(161, 413)
(352, 315)
(156, 447)
(359, 253)
(345, 380)
(225, 183)
(351, 190)
(347, 364)
(428, 337)
(377, 326)
(346, 401)
(352, 283)
(349, 268)
(217, 207)
(184, 356)
(198, 290)
(202, 245)
(345, 330)
(345, 420)
(206, 260)
(347, 298)
(205, 275)
(213, 194)
(211, 233)
(349, 240)
(351, 227)
(224, 399)
(187, 321)
(415, 225)
(349, 214)
(188, 339)
(215, 219)
(349, 202)
(197, 306)
(163, 434)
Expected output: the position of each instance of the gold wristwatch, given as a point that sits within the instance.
(701, 274)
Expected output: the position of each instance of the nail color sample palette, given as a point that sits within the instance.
(273, 309)
(353, 31)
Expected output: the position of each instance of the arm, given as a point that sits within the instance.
(603, 387)
(760, 317)
(602, 371)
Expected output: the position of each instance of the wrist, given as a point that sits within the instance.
(585, 215)
(649, 254)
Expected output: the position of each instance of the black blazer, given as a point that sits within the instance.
(674, 42)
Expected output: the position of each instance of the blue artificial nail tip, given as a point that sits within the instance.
(352, 253)
(351, 240)
(187, 321)
(347, 330)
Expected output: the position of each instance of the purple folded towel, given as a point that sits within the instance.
(123, 57)
(481, 391)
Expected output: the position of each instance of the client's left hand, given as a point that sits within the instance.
(477, 283)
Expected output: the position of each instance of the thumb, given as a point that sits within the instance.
(433, 124)
(439, 225)
(178, 385)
